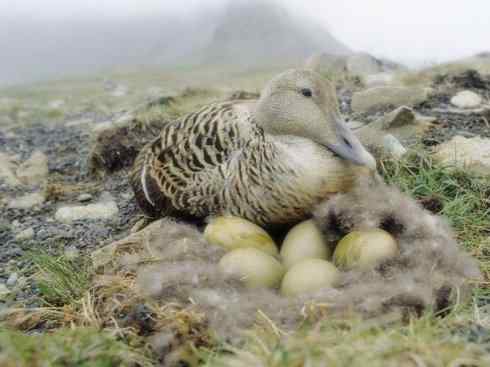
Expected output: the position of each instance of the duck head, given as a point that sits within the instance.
(302, 103)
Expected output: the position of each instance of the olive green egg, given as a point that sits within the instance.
(364, 249)
(254, 267)
(232, 233)
(308, 276)
(304, 241)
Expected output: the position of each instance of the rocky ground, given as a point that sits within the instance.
(35, 226)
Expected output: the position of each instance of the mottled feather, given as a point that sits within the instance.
(219, 160)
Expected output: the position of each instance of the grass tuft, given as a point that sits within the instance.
(61, 281)
(464, 197)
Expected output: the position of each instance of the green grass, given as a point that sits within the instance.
(81, 347)
(465, 197)
(60, 280)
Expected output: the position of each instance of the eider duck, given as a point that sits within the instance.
(269, 161)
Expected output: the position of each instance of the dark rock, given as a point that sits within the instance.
(116, 148)
(471, 79)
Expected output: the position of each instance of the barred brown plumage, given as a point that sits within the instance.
(269, 160)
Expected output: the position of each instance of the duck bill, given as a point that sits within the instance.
(349, 147)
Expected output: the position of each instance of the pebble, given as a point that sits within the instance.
(466, 99)
(12, 280)
(393, 147)
(102, 210)
(25, 235)
(27, 201)
(466, 153)
(82, 198)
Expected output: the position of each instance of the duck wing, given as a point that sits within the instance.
(184, 170)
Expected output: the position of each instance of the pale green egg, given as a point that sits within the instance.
(304, 241)
(232, 233)
(364, 249)
(254, 267)
(308, 276)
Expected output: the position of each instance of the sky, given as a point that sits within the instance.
(412, 31)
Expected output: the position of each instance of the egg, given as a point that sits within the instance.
(308, 276)
(304, 241)
(364, 249)
(254, 267)
(234, 232)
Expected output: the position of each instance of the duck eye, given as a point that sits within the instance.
(306, 92)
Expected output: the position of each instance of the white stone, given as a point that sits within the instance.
(387, 96)
(106, 209)
(84, 198)
(393, 147)
(466, 99)
(25, 235)
(472, 154)
(34, 171)
(27, 201)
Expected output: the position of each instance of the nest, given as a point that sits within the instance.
(173, 263)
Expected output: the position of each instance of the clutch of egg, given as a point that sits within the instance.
(303, 264)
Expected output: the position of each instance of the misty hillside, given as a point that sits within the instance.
(243, 33)
(257, 33)
(41, 49)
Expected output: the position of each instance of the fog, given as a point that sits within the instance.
(53, 38)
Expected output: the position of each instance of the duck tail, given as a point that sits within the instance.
(146, 190)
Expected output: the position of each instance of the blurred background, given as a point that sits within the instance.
(51, 39)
